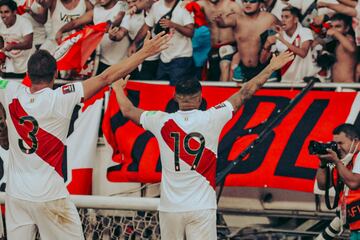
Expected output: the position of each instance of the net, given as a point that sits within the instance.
(123, 225)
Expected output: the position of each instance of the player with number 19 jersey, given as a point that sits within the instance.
(188, 142)
(37, 166)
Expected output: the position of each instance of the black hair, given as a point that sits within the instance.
(10, 4)
(188, 86)
(41, 67)
(350, 130)
(342, 17)
(293, 10)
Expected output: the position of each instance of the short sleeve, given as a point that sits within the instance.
(125, 22)
(306, 35)
(67, 96)
(356, 168)
(26, 26)
(150, 17)
(186, 16)
(150, 120)
(220, 115)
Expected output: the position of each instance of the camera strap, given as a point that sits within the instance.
(328, 180)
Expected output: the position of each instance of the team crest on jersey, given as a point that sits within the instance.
(68, 88)
(3, 83)
(221, 105)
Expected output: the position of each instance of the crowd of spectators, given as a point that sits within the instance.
(213, 40)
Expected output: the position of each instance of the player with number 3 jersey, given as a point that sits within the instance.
(38, 120)
(188, 142)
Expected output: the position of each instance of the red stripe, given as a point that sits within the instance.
(295, 43)
(207, 163)
(81, 183)
(50, 148)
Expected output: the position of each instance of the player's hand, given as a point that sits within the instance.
(331, 156)
(279, 61)
(156, 44)
(121, 83)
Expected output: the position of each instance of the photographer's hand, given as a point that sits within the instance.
(331, 156)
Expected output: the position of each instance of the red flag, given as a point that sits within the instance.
(77, 48)
(21, 9)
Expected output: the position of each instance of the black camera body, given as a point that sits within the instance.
(320, 148)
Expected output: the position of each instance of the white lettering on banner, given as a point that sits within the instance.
(65, 47)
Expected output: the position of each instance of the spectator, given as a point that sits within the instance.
(352, 9)
(62, 12)
(148, 69)
(111, 50)
(176, 62)
(16, 34)
(292, 36)
(248, 28)
(36, 14)
(223, 45)
(345, 52)
(136, 19)
(347, 167)
(201, 40)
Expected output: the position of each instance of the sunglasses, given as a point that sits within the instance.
(250, 1)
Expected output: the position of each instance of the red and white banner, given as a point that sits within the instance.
(75, 50)
(82, 144)
(281, 161)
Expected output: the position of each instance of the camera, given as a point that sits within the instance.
(320, 148)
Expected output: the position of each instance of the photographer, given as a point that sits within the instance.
(346, 161)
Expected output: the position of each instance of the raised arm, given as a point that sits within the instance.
(248, 89)
(76, 23)
(340, 8)
(126, 107)
(121, 69)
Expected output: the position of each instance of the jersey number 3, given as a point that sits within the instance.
(187, 149)
(31, 135)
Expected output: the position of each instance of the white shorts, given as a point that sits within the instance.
(57, 219)
(195, 225)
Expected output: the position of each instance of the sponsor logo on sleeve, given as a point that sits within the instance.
(221, 105)
(68, 88)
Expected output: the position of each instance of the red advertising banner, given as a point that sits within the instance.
(280, 161)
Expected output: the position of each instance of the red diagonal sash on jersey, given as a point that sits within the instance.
(207, 164)
(295, 43)
(49, 148)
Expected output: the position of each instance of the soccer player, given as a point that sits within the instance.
(188, 141)
(38, 122)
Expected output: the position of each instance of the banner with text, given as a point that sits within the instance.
(280, 161)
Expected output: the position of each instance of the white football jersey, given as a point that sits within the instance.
(188, 142)
(37, 126)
